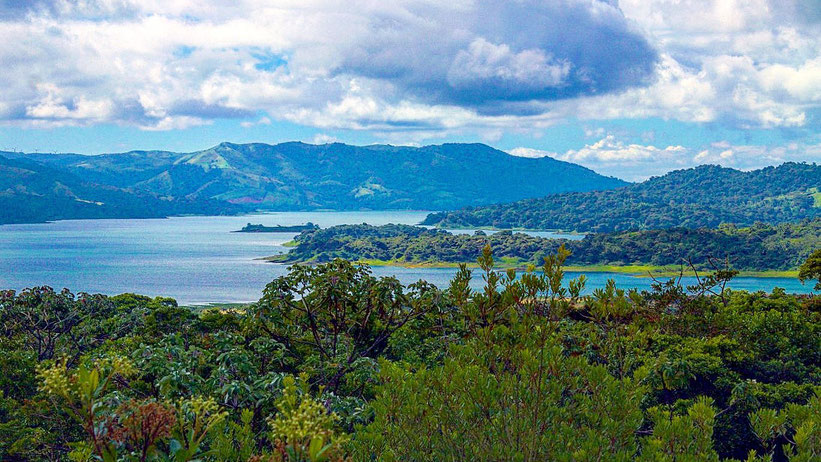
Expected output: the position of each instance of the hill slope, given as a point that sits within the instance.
(32, 192)
(298, 176)
(704, 196)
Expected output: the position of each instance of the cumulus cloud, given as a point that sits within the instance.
(531, 153)
(322, 138)
(173, 63)
(262, 121)
(486, 54)
(409, 70)
(747, 157)
(752, 63)
(611, 156)
(637, 162)
(485, 65)
(610, 150)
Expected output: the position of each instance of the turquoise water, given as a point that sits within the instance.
(199, 260)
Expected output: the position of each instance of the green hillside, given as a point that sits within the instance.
(32, 192)
(298, 176)
(705, 196)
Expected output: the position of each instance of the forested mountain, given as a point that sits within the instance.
(32, 192)
(704, 196)
(757, 248)
(298, 176)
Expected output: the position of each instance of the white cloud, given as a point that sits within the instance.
(802, 83)
(52, 104)
(531, 153)
(637, 162)
(486, 61)
(611, 156)
(322, 138)
(170, 63)
(410, 70)
(629, 161)
(752, 61)
(262, 121)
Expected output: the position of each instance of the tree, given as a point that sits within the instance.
(512, 395)
(52, 322)
(335, 319)
(811, 269)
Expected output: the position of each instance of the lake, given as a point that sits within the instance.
(198, 260)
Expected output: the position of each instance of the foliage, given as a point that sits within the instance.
(36, 192)
(687, 437)
(705, 196)
(56, 321)
(811, 269)
(335, 364)
(303, 430)
(335, 319)
(760, 247)
(795, 426)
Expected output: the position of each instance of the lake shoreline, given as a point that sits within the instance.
(244, 213)
(513, 230)
(198, 261)
(503, 264)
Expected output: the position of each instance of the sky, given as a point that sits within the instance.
(629, 88)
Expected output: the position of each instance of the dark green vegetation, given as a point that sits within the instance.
(32, 192)
(249, 228)
(705, 196)
(757, 248)
(289, 176)
(811, 269)
(335, 364)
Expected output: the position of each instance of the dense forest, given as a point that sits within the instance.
(757, 248)
(334, 364)
(705, 196)
(287, 176)
(31, 192)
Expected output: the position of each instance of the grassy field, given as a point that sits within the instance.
(816, 195)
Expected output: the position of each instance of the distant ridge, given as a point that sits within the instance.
(33, 192)
(704, 196)
(293, 176)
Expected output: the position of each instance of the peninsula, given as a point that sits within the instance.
(762, 250)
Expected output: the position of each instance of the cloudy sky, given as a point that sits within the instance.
(630, 88)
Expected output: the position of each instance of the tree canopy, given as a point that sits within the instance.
(335, 364)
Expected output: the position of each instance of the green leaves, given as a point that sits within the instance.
(334, 318)
(516, 397)
(523, 368)
(302, 428)
(797, 427)
(685, 437)
(811, 269)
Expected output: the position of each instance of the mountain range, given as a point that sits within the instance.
(701, 197)
(232, 178)
(33, 192)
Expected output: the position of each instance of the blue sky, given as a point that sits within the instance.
(630, 88)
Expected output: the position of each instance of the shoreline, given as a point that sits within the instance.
(507, 263)
(514, 230)
(205, 215)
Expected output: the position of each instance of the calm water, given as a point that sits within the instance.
(198, 260)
